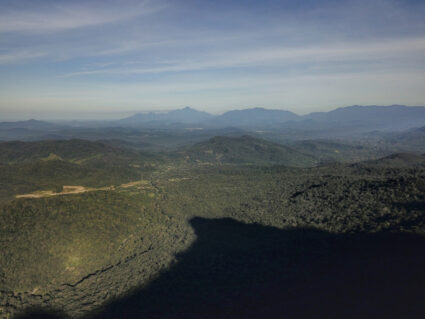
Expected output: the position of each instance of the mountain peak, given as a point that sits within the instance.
(185, 115)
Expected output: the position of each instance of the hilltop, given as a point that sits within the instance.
(186, 115)
(48, 165)
(72, 150)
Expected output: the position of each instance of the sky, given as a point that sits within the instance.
(103, 59)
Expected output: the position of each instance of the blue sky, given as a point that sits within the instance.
(63, 59)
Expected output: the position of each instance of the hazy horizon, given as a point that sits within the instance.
(116, 115)
(109, 56)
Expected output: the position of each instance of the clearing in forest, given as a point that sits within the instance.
(67, 189)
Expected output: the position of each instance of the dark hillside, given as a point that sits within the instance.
(295, 273)
(237, 270)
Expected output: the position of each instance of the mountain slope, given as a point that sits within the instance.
(330, 151)
(351, 118)
(246, 150)
(397, 160)
(411, 140)
(394, 117)
(26, 167)
(256, 117)
(75, 149)
(186, 116)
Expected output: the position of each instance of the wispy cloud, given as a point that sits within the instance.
(165, 53)
(339, 52)
(13, 57)
(71, 15)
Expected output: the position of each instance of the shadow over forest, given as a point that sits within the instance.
(237, 270)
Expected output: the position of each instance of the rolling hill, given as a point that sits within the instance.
(412, 140)
(327, 151)
(396, 161)
(26, 167)
(72, 150)
(245, 150)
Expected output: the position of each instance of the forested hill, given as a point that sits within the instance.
(26, 167)
(245, 150)
(75, 149)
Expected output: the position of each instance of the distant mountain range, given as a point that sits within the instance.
(186, 115)
(25, 129)
(235, 118)
(357, 118)
(254, 117)
(30, 124)
(187, 125)
(394, 117)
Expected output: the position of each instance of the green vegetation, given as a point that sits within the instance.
(334, 152)
(26, 167)
(238, 219)
(50, 241)
(245, 150)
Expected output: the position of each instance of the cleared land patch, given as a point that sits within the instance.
(135, 183)
(67, 189)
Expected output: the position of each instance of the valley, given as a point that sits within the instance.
(236, 225)
(114, 248)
